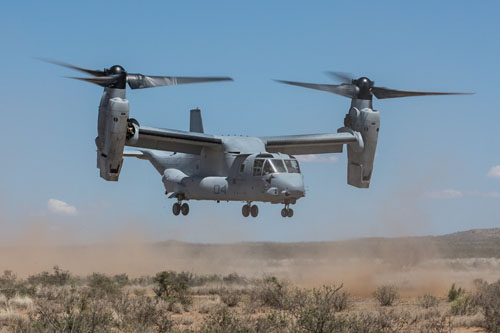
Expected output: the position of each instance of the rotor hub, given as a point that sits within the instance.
(365, 85)
(116, 69)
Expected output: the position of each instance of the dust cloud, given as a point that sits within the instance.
(413, 264)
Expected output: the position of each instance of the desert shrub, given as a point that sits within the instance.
(230, 297)
(121, 279)
(20, 303)
(271, 292)
(386, 295)
(314, 311)
(141, 314)
(73, 311)
(10, 286)
(223, 320)
(276, 321)
(101, 285)
(428, 301)
(172, 287)
(454, 293)
(234, 278)
(463, 305)
(488, 299)
(200, 280)
(139, 292)
(58, 277)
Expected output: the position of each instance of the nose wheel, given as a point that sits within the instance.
(250, 209)
(179, 208)
(287, 211)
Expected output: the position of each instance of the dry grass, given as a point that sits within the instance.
(269, 304)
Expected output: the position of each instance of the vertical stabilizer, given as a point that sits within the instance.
(196, 124)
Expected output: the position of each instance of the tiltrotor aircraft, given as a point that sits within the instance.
(199, 166)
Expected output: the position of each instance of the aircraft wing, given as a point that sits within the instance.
(173, 140)
(308, 143)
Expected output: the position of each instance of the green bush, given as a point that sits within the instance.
(386, 295)
(101, 285)
(172, 287)
(463, 305)
(10, 286)
(454, 293)
(58, 277)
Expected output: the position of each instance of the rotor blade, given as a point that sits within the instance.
(346, 90)
(103, 81)
(139, 81)
(341, 76)
(81, 69)
(381, 93)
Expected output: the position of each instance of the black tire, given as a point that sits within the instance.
(245, 210)
(290, 212)
(254, 210)
(176, 208)
(185, 209)
(284, 212)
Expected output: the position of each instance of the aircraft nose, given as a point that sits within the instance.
(289, 184)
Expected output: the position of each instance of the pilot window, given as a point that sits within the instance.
(257, 167)
(268, 168)
(279, 166)
(292, 166)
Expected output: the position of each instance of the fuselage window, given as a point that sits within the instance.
(257, 167)
(242, 167)
(279, 166)
(292, 166)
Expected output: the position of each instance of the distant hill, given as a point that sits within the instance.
(477, 243)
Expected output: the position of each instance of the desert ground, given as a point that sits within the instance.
(447, 283)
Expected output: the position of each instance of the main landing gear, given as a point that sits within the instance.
(287, 211)
(180, 207)
(250, 209)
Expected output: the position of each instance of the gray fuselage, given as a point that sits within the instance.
(230, 174)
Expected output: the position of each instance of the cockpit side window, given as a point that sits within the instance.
(268, 168)
(257, 167)
(292, 166)
(279, 166)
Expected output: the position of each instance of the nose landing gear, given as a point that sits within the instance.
(250, 209)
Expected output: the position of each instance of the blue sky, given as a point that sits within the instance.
(435, 166)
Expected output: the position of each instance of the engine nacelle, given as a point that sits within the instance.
(362, 119)
(110, 151)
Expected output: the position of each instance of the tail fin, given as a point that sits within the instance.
(196, 123)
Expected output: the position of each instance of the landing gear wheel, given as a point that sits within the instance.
(290, 212)
(284, 212)
(185, 209)
(254, 210)
(245, 210)
(176, 208)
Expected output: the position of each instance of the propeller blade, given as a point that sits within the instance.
(139, 81)
(346, 90)
(81, 69)
(341, 76)
(103, 81)
(382, 93)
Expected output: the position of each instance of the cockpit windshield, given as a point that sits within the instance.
(264, 167)
(292, 166)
